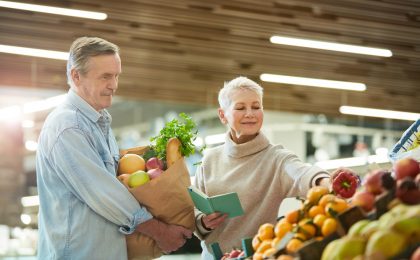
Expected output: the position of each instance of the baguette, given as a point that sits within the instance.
(173, 151)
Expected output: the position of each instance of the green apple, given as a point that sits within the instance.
(138, 178)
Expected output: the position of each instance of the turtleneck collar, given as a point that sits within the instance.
(259, 143)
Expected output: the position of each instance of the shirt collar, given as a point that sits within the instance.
(259, 143)
(74, 99)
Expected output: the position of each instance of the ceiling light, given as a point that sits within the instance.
(44, 104)
(10, 113)
(363, 111)
(30, 201)
(312, 82)
(330, 46)
(26, 219)
(54, 10)
(31, 145)
(59, 55)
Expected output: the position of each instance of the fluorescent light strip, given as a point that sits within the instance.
(44, 104)
(371, 112)
(330, 46)
(59, 55)
(312, 82)
(352, 162)
(54, 10)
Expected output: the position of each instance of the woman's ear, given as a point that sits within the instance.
(222, 115)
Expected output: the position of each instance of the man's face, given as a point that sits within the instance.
(100, 82)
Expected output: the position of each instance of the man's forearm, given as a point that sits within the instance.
(152, 228)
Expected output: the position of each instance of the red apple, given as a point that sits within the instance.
(364, 199)
(373, 181)
(234, 253)
(406, 167)
(154, 173)
(407, 191)
(154, 163)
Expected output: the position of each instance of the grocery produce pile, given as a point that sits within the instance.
(378, 218)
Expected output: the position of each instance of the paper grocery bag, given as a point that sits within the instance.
(167, 199)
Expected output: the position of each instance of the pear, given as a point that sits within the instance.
(385, 243)
(369, 229)
(357, 228)
(344, 248)
(410, 228)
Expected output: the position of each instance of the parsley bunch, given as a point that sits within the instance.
(184, 130)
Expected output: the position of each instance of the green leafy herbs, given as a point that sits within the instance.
(184, 129)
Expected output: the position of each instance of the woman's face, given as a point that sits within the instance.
(244, 116)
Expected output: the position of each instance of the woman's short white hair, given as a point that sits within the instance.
(235, 84)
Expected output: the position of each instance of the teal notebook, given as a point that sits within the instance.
(225, 203)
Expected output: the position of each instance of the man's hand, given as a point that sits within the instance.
(213, 220)
(168, 237)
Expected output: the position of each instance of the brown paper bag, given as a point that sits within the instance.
(167, 199)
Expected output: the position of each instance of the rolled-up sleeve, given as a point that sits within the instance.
(80, 167)
(303, 174)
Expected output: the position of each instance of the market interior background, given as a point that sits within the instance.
(176, 56)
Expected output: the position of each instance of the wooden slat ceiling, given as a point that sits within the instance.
(183, 51)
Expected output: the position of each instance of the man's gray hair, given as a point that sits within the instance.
(235, 84)
(82, 49)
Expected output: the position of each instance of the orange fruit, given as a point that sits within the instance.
(281, 228)
(335, 207)
(325, 199)
(285, 257)
(266, 231)
(300, 236)
(256, 242)
(130, 163)
(266, 244)
(315, 193)
(293, 245)
(294, 216)
(269, 252)
(329, 226)
(315, 210)
(307, 228)
(319, 220)
(257, 256)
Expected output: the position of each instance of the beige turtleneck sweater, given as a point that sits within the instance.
(262, 174)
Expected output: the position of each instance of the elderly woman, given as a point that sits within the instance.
(261, 173)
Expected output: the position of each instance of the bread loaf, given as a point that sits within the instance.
(173, 151)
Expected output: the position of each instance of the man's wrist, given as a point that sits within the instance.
(151, 228)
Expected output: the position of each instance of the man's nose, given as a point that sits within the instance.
(114, 84)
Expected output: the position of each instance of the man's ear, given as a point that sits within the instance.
(222, 115)
(75, 76)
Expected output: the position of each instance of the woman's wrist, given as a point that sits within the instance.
(204, 225)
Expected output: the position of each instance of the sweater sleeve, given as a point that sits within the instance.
(201, 232)
(303, 175)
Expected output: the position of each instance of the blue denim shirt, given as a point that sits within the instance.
(84, 211)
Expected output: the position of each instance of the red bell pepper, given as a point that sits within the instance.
(345, 184)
